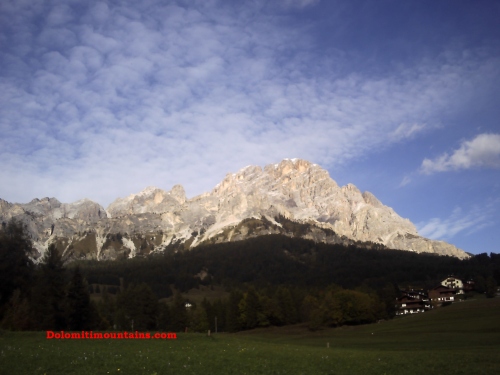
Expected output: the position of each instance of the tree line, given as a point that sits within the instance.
(281, 260)
(272, 280)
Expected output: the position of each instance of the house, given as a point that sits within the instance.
(412, 301)
(407, 305)
(416, 293)
(441, 294)
(454, 283)
(469, 286)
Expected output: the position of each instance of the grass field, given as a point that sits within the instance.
(460, 339)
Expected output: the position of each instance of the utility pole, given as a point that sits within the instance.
(215, 324)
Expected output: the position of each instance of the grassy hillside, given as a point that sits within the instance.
(460, 339)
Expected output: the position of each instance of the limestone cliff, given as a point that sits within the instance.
(293, 197)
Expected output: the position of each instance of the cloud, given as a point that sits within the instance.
(159, 93)
(405, 181)
(481, 152)
(469, 222)
(404, 131)
(299, 3)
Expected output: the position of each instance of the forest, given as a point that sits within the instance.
(269, 280)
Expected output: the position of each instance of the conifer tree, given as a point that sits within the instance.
(137, 308)
(198, 319)
(106, 308)
(179, 313)
(210, 313)
(164, 317)
(480, 285)
(219, 313)
(17, 316)
(233, 322)
(147, 304)
(286, 306)
(251, 310)
(16, 269)
(272, 311)
(78, 303)
(49, 292)
(491, 287)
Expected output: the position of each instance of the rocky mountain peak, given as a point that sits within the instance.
(149, 200)
(295, 189)
(352, 192)
(372, 200)
(288, 166)
(179, 193)
(146, 192)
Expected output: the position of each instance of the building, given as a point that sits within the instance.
(441, 294)
(412, 302)
(469, 286)
(453, 283)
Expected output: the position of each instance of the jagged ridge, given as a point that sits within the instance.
(242, 205)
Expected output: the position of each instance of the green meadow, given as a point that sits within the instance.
(460, 339)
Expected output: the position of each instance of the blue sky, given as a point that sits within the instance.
(101, 99)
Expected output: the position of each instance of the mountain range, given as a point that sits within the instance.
(294, 197)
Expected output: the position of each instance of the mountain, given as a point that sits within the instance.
(294, 197)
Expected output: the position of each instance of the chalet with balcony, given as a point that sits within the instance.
(454, 283)
(412, 302)
(469, 286)
(441, 294)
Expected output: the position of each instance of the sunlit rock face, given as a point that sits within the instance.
(245, 204)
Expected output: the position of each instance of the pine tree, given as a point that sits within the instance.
(147, 306)
(480, 285)
(137, 308)
(251, 310)
(233, 322)
(164, 318)
(179, 313)
(16, 269)
(219, 312)
(106, 309)
(272, 311)
(209, 309)
(49, 292)
(17, 317)
(491, 287)
(198, 319)
(78, 303)
(287, 308)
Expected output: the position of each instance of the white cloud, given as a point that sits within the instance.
(299, 3)
(407, 131)
(163, 94)
(481, 152)
(470, 222)
(405, 181)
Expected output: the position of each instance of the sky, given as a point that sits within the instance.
(100, 99)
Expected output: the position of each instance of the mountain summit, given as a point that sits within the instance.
(293, 197)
